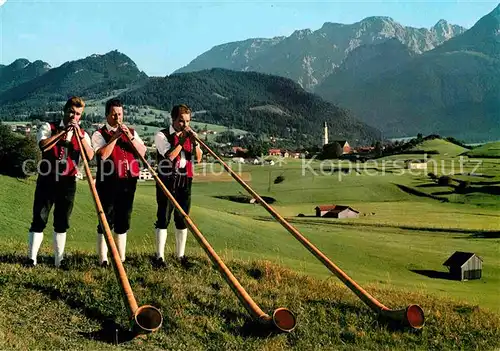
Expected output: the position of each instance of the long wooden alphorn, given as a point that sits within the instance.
(412, 316)
(144, 319)
(282, 318)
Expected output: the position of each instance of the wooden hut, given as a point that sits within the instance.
(336, 211)
(464, 266)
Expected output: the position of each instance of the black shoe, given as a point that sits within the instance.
(159, 263)
(29, 263)
(64, 265)
(185, 262)
(104, 264)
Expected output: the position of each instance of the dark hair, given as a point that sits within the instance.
(178, 110)
(113, 103)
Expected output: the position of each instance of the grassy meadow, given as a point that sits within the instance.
(408, 226)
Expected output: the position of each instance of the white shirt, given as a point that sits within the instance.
(162, 145)
(44, 132)
(98, 140)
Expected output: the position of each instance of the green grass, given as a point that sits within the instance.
(52, 309)
(443, 147)
(396, 234)
(486, 150)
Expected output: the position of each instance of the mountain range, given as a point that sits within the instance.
(308, 57)
(259, 103)
(87, 77)
(401, 80)
(453, 89)
(256, 102)
(21, 71)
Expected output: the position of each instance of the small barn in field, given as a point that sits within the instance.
(336, 211)
(464, 265)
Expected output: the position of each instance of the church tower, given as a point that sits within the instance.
(325, 135)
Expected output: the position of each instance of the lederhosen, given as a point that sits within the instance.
(56, 184)
(177, 180)
(116, 182)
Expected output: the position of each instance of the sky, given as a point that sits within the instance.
(161, 36)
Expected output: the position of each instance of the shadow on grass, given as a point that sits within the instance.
(13, 258)
(342, 310)
(110, 331)
(486, 235)
(485, 189)
(433, 274)
(473, 233)
(245, 199)
(429, 185)
(72, 260)
(416, 192)
(250, 328)
(257, 329)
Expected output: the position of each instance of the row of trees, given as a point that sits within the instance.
(14, 150)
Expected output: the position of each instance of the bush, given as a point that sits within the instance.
(462, 185)
(14, 150)
(444, 180)
(279, 179)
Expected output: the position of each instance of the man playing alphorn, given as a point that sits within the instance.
(175, 148)
(56, 183)
(117, 173)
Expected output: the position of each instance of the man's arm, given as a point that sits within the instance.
(102, 148)
(198, 152)
(197, 149)
(135, 140)
(139, 144)
(45, 139)
(173, 153)
(165, 148)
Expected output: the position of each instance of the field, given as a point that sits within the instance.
(408, 226)
(486, 150)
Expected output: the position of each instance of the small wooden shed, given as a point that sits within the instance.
(336, 211)
(464, 265)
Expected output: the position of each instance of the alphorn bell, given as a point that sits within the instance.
(412, 316)
(282, 318)
(144, 319)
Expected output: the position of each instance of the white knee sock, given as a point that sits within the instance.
(59, 244)
(180, 241)
(102, 248)
(121, 244)
(161, 239)
(34, 243)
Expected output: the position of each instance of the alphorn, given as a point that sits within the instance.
(144, 319)
(282, 318)
(412, 316)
